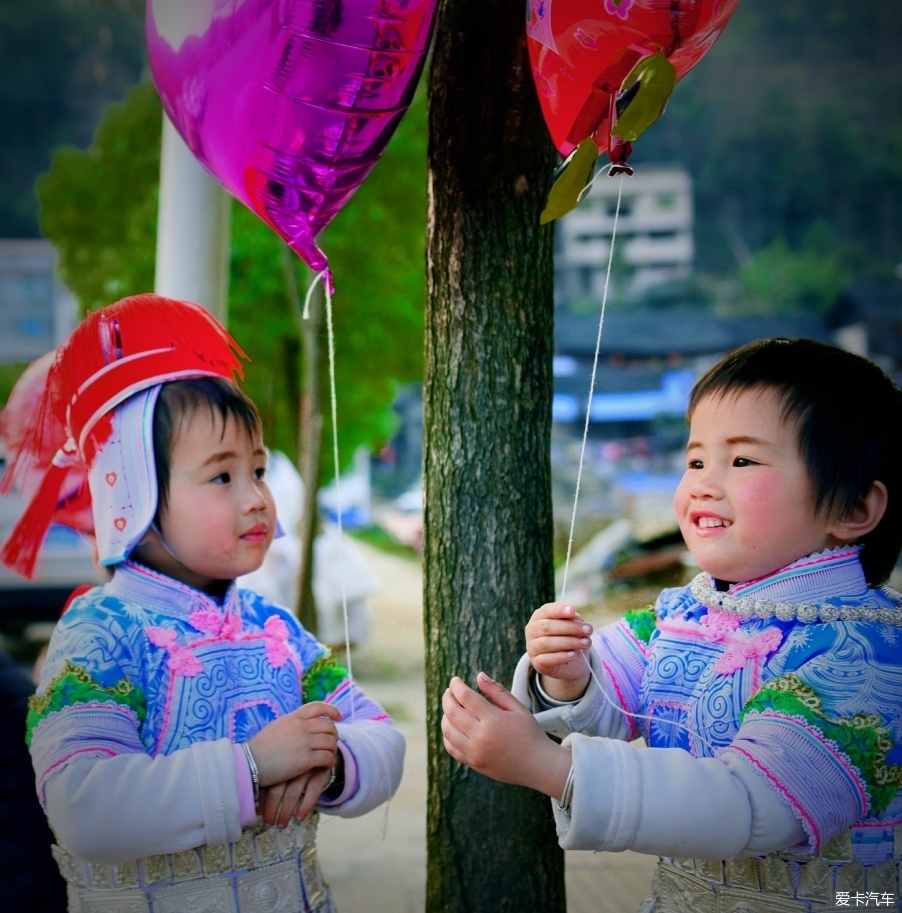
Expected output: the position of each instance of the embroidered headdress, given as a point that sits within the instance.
(95, 415)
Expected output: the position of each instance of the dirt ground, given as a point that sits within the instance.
(377, 862)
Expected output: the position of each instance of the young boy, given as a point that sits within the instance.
(769, 690)
(174, 708)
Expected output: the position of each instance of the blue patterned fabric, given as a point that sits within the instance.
(145, 664)
(815, 708)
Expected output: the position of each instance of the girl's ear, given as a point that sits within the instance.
(864, 517)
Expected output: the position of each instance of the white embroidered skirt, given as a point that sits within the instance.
(268, 870)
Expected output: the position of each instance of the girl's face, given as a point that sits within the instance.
(220, 515)
(745, 504)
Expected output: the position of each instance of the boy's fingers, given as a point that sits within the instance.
(497, 693)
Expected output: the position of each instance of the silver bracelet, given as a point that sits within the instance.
(255, 773)
(567, 794)
(545, 698)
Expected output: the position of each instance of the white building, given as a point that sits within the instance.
(654, 235)
(36, 311)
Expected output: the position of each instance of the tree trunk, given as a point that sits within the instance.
(487, 424)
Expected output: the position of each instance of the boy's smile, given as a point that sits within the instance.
(220, 516)
(745, 504)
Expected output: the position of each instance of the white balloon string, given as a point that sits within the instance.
(579, 473)
(319, 277)
(581, 195)
(582, 452)
(333, 398)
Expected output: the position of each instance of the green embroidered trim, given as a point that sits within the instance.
(642, 622)
(322, 678)
(73, 685)
(862, 737)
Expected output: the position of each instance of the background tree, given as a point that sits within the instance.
(487, 390)
(98, 206)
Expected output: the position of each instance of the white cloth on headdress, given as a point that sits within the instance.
(123, 478)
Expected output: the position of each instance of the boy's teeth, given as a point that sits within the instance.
(710, 522)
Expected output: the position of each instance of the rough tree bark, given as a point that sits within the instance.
(487, 422)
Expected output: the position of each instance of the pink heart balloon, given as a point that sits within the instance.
(288, 103)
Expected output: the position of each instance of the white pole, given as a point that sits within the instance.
(192, 229)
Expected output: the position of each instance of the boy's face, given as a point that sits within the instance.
(745, 504)
(220, 516)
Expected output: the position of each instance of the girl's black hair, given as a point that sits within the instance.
(180, 399)
(847, 413)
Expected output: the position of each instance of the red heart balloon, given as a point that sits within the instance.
(288, 103)
(581, 52)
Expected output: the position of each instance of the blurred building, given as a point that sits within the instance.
(654, 235)
(36, 311)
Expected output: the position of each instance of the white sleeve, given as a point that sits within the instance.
(665, 802)
(125, 807)
(595, 713)
(378, 751)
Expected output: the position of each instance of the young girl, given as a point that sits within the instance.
(769, 689)
(183, 730)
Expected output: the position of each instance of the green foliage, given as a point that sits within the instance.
(99, 206)
(99, 209)
(778, 280)
(9, 374)
(792, 118)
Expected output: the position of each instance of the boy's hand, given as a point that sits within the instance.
(500, 738)
(296, 743)
(557, 639)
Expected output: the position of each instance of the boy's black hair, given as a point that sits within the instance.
(180, 399)
(848, 416)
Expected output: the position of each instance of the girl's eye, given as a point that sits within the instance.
(223, 478)
(695, 464)
(744, 461)
(260, 474)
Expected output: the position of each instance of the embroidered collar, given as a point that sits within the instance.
(825, 587)
(137, 583)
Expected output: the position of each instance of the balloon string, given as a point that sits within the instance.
(579, 473)
(582, 452)
(333, 401)
(581, 195)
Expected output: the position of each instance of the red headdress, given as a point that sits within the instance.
(113, 354)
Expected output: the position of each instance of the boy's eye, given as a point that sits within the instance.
(223, 478)
(695, 464)
(260, 473)
(744, 461)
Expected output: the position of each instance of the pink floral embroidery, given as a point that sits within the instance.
(181, 660)
(184, 662)
(757, 647)
(161, 637)
(231, 627)
(721, 623)
(207, 620)
(276, 647)
(619, 8)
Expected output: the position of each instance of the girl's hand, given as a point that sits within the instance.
(297, 743)
(500, 738)
(557, 641)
